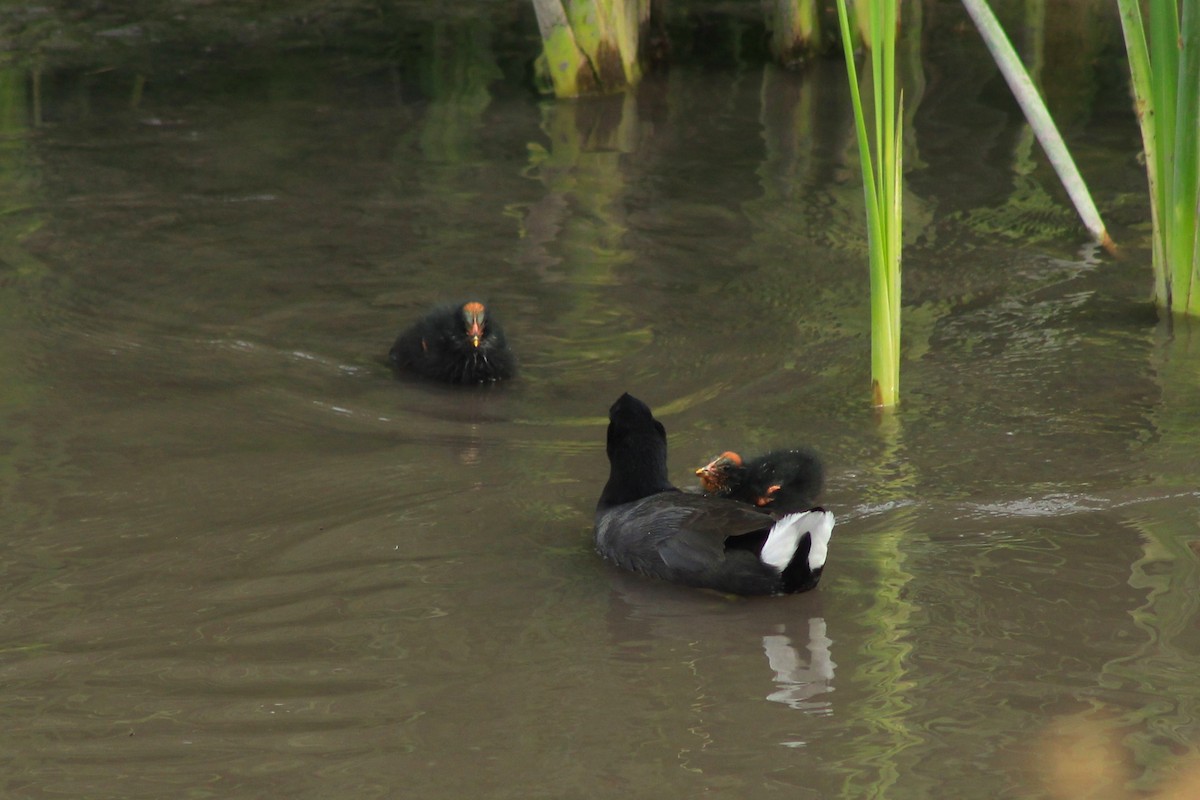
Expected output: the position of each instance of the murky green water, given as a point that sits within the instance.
(240, 559)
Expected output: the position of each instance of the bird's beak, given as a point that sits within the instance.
(474, 318)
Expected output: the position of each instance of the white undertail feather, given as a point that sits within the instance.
(822, 531)
(785, 536)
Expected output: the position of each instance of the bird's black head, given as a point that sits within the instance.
(475, 349)
(631, 419)
(637, 453)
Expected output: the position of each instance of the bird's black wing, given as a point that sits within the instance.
(702, 527)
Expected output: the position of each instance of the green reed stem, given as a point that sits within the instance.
(882, 190)
(590, 46)
(1165, 70)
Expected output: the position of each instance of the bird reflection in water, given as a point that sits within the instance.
(797, 679)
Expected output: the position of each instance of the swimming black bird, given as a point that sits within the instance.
(646, 525)
(456, 344)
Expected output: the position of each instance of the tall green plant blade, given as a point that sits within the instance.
(888, 161)
(1165, 70)
(890, 176)
(875, 12)
(1039, 118)
(860, 125)
(1185, 190)
(896, 245)
(1142, 79)
(1164, 65)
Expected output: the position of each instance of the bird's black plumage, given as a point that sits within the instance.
(460, 343)
(646, 525)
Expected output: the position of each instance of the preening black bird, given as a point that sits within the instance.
(646, 525)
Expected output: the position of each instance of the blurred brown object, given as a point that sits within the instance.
(1082, 760)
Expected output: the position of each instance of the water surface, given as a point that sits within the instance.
(242, 559)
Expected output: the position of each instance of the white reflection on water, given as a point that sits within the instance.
(798, 680)
(1057, 504)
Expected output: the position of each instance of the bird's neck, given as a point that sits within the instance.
(634, 474)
